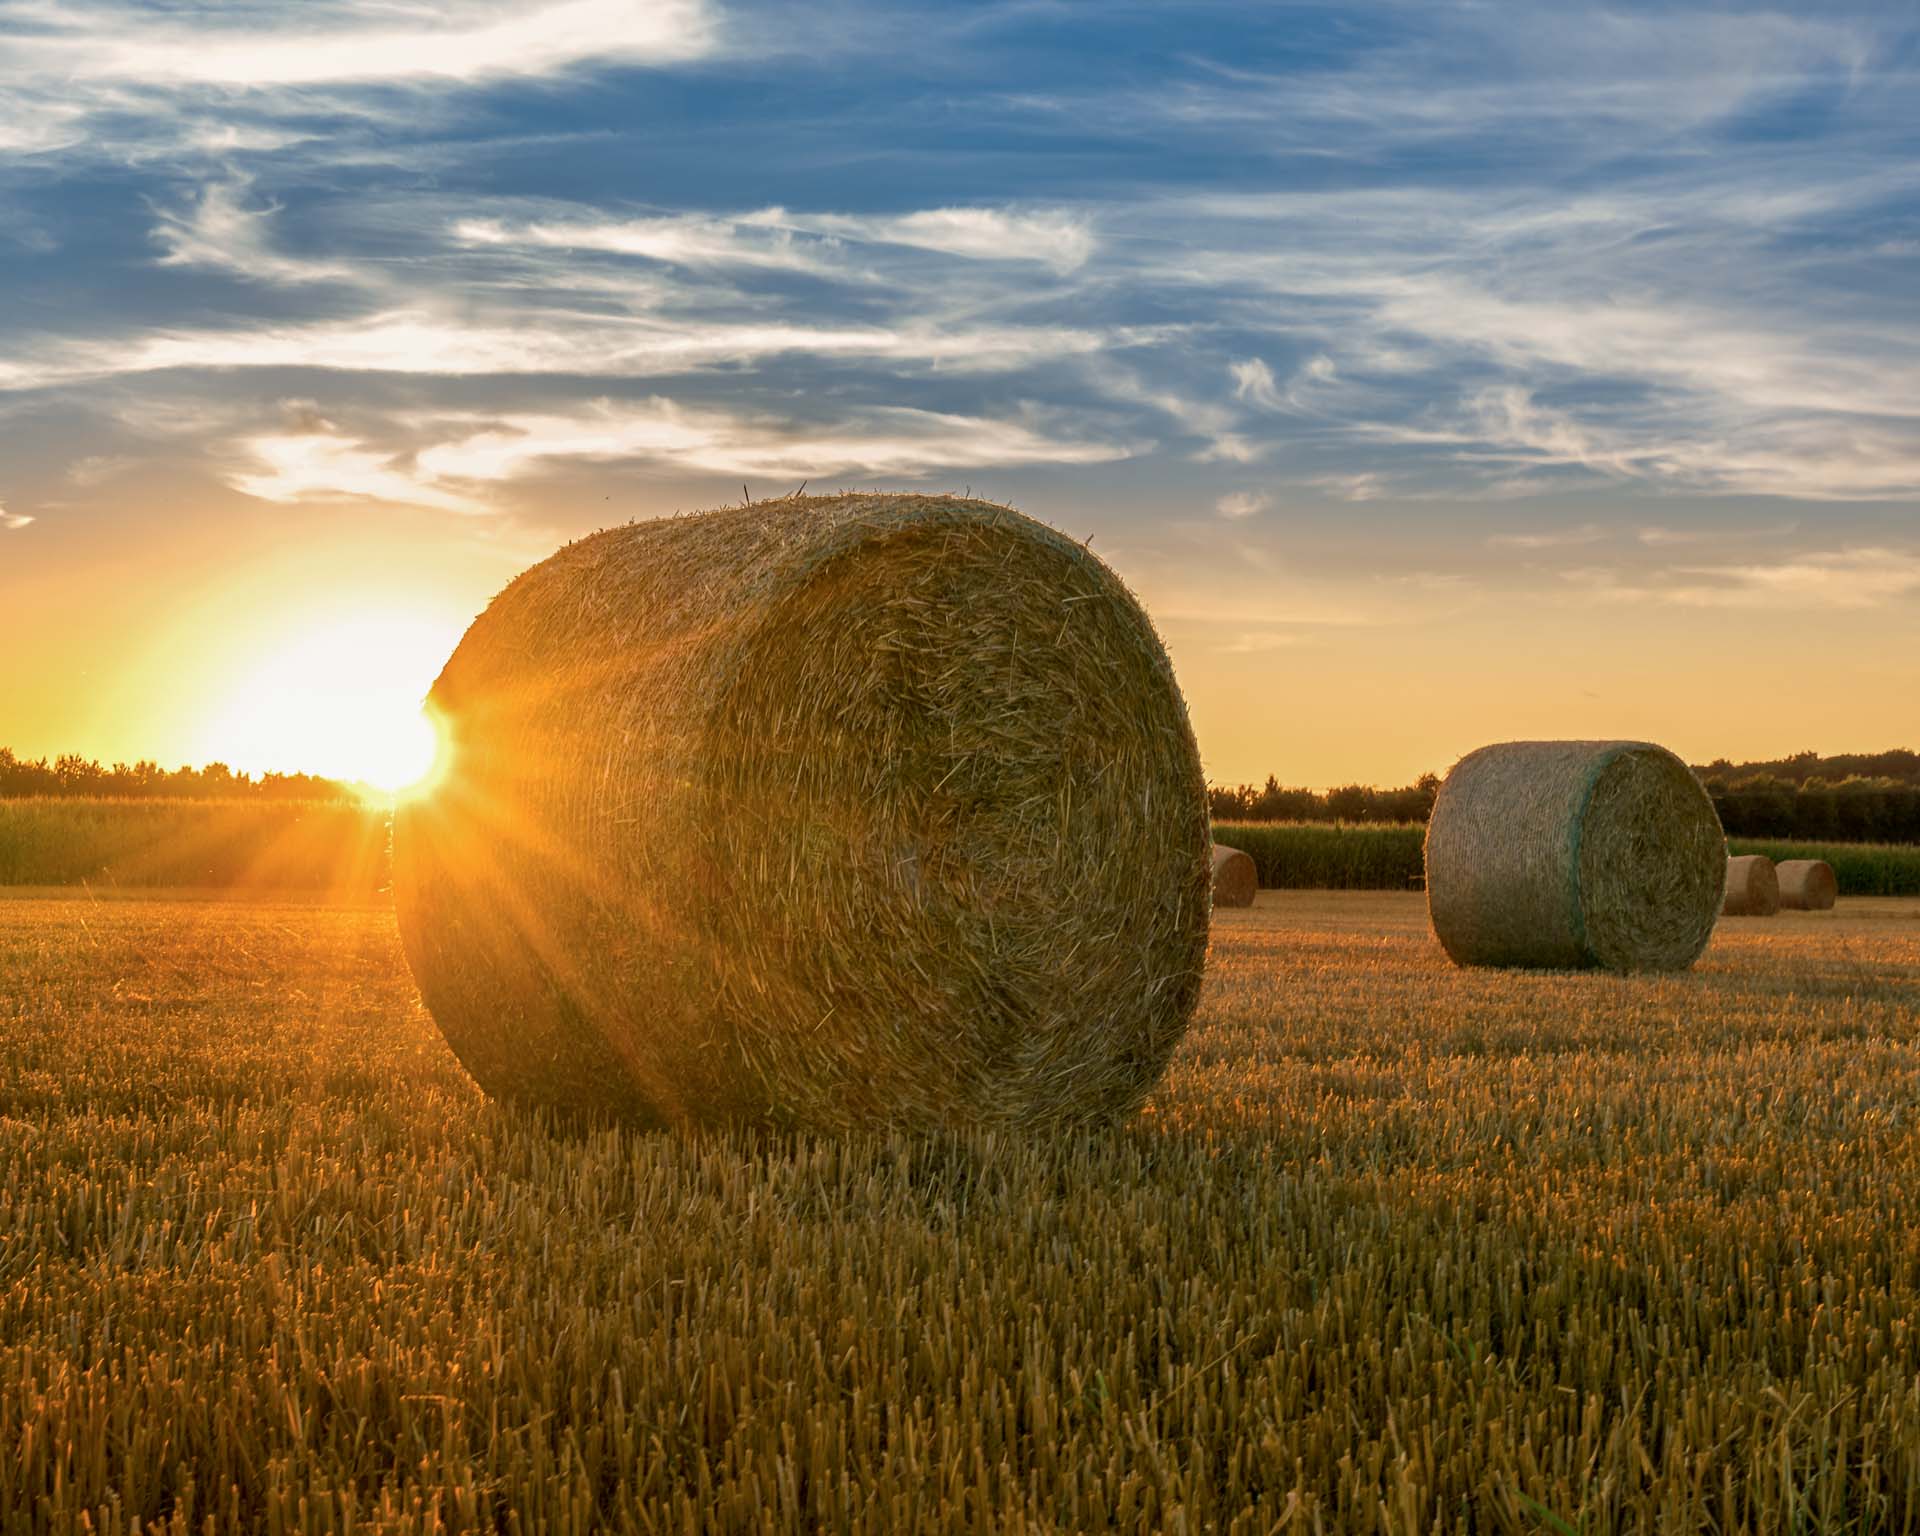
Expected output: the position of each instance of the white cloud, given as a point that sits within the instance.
(322, 464)
(1695, 322)
(456, 461)
(1050, 236)
(1366, 485)
(1672, 329)
(1253, 382)
(1225, 443)
(1635, 76)
(219, 231)
(1554, 538)
(1848, 578)
(1237, 505)
(1857, 577)
(434, 341)
(1262, 642)
(889, 440)
(254, 47)
(803, 242)
(13, 519)
(37, 122)
(1659, 537)
(683, 240)
(98, 468)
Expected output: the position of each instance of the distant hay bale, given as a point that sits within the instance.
(1807, 885)
(820, 812)
(1235, 880)
(1568, 854)
(1753, 887)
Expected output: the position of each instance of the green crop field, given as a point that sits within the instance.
(1396, 1247)
(214, 844)
(1337, 856)
(1329, 856)
(1862, 869)
(342, 849)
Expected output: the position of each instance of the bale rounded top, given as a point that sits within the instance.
(1573, 854)
(826, 811)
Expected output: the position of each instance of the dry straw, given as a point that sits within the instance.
(823, 812)
(1574, 854)
(1235, 880)
(1807, 885)
(1753, 887)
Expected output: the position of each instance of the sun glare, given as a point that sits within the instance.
(343, 699)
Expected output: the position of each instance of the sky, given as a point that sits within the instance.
(1436, 374)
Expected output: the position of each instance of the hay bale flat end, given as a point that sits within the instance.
(1570, 854)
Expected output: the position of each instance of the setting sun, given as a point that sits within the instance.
(342, 699)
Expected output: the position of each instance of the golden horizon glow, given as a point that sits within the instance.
(343, 699)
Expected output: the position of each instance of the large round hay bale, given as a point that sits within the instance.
(1235, 880)
(821, 812)
(1807, 885)
(1753, 888)
(1574, 854)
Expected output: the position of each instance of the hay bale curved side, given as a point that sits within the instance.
(1753, 886)
(766, 814)
(1570, 854)
(1807, 885)
(1235, 879)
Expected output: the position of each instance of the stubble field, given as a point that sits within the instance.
(1396, 1247)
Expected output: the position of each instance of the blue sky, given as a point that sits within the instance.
(1566, 350)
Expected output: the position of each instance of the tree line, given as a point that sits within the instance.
(73, 776)
(1811, 797)
(1855, 810)
(1351, 802)
(1810, 801)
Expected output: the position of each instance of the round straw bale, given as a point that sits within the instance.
(861, 810)
(1235, 880)
(1807, 885)
(1574, 854)
(1753, 888)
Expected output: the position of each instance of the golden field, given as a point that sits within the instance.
(1395, 1247)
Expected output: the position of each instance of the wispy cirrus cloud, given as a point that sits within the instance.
(218, 229)
(1637, 74)
(1512, 270)
(1661, 537)
(803, 242)
(445, 343)
(1055, 237)
(460, 463)
(1551, 538)
(686, 241)
(252, 46)
(1237, 506)
(1834, 579)
(325, 465)
(12, 520)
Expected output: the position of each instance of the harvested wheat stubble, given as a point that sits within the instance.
(1235, 880)
(821, 812)
(1807, 885)
(1567, 854)
(1753, 888)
